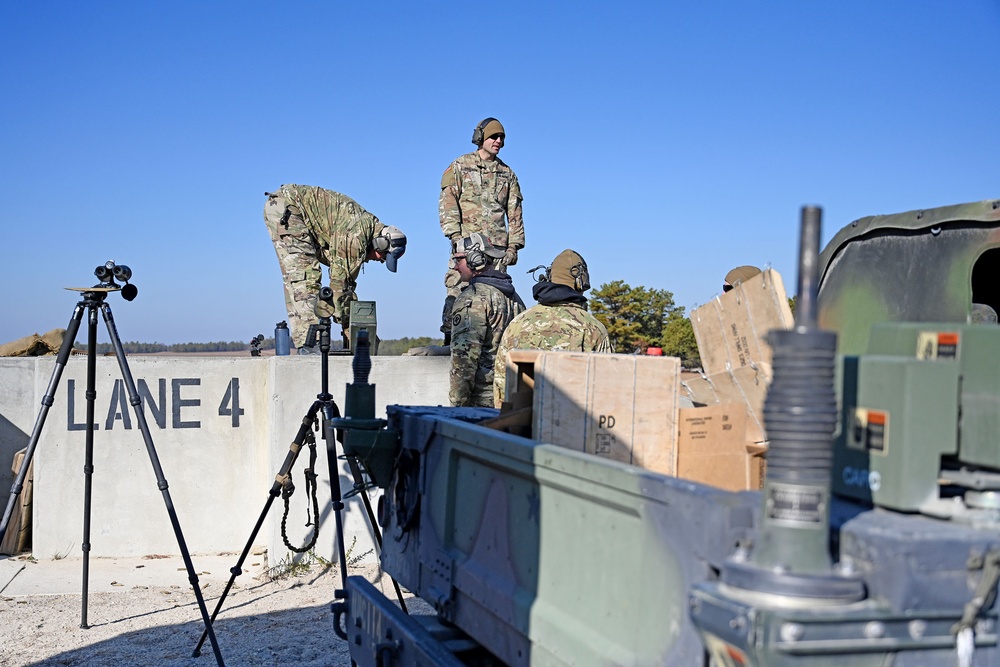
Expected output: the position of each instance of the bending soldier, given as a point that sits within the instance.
(480, 193)
(311, 226)
(559, 321)
(482, 311)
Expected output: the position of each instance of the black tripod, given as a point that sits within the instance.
(94, 299)
(325, 406)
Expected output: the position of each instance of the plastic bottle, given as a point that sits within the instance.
(282, 340)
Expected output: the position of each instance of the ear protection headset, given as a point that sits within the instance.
(542, 277)
(581, 277)
(381, 243)
(477, 134)
(476, 258)
(384, 243)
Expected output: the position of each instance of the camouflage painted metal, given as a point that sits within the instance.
(544, 555)
(919, 266)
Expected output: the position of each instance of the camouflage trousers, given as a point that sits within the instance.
(453, 284)
(298, 256)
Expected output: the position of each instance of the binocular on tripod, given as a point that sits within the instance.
(108, 272)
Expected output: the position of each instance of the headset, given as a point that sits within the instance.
(476, 258)
(477, 134)
(384, 243)
(543, 277)
(381, 243)
(581, 276)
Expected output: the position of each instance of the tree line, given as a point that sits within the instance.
(391, 347)
(637, 318)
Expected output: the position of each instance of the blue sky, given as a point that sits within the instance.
(665, 141)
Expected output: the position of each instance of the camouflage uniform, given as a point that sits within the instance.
(311, 226)
(479, 195)
(482, 311)
(558, 326)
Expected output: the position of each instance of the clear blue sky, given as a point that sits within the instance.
(665, 141)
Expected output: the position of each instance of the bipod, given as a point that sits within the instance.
(325, 407)
(94, 299)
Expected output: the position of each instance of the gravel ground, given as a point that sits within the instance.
(285, 621)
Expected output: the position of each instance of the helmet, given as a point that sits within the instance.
(569, 268)
(738, 275)
(391, 241)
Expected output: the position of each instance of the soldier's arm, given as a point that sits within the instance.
(500, 372)
(515, 224)
(602, 342)
(465, 350)
(344, 269)
(449, 212)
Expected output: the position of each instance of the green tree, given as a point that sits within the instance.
(678, 340)
(634, 316)
(399, 346)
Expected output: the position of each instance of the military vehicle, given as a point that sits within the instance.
(874, 540)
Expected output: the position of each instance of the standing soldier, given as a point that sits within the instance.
(481, 313)
(480, 193)
(560, 321)
(311, 226)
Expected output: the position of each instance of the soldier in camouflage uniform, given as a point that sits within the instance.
(481, 313)
(311, 226)
(479, 193)
(560, 321)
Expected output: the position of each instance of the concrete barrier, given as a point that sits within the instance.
(220, 429)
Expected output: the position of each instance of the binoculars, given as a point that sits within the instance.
(108, 272)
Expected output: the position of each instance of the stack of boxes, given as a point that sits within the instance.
(632, 408)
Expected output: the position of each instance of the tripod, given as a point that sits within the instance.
(94, 299)
(325, 407)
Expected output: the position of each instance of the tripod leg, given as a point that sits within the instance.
(286, 468)
(88, 464)
(47, 400)
(338, 498)
(161, 481)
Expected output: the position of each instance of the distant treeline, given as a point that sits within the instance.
(393, 347)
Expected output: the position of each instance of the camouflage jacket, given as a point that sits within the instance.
(480, 195)
(481, 313)
(343, 231)
(557, 326)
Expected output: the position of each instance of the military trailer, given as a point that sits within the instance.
(874, 541)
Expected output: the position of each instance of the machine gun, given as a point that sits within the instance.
(875, 541)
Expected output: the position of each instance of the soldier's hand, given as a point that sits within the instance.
(510, 257)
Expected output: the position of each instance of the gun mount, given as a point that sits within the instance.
(877, 544)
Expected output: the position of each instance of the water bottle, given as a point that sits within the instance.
(282, 340)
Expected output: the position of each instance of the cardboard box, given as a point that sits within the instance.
(624, 408)
(731, 331)
(711, 448)
(617, 406)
